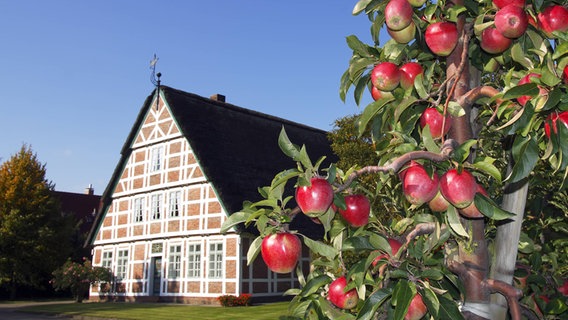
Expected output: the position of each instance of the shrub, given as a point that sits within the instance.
(78, 277)
(234, 301)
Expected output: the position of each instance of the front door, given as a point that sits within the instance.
(156, 275)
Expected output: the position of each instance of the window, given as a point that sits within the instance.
(122, 264)
(156, 206)
(194, 261)
(156, 160)
(173, 208)
(216, 260)
(174, 262)
(107, 260)
(138, 209)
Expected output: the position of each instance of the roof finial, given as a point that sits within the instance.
(156, 81)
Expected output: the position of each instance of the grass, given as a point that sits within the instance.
(160, 311)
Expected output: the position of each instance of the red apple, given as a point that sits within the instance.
(418, 185)
(315, 199)
(511, 21)
(281, 251)
(417, 309)
(376, 93)
(405, 35)
(522, 100)
(357, 210)
(492, 41)
(398, 14)
(458, 188)
(435, 120)
(553, 18)
(565, 75)
(441, 37)
(438, 203)
(552, 118)
(385, 76)
(408, 73)
(503, 3)
(564, 288)
(471, 211)
(340, 298)
(395, 246)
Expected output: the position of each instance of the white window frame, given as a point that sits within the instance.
(194, 260)
(156, 158)
(106, 260)
(174, 261)
(215, 263)
(156, 206)
(138, 209)
(122, 264)
(174, 206)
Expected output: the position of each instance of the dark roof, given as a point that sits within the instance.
(83, 206)
(237, 148)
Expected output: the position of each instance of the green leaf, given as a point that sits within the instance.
(527, 89)
(419, 85)
(283, 177)
(403, 105)
(360, 6)
(357, 243)
(489, 209)
(314, 284)
(462, 152)
(485, 165)
(454, 11)
(525, 154)
(429, 142)
(519, 55)
(253, 250)
(358, 46)
(453, 218)
(448, 309)
(234, 219)
(455, 109)
(431, 301)
(360, 88)
(402, 294)
(305, 159)
(321, 248)
(330, 311)
(373, 302)
(370, 111)
(289, 149)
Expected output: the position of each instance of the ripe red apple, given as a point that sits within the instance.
(492, 41)
(503, 3)
(435, 120)
(553, 18)
(522, 100)
(315, 199)
(404, 35)
(564, 288)
(471, 211)
(438, 203)
(418, 185)
(417, 309)
(338, 296)
(441, 37)
(511, 21)
(281, 251)
(552, 118)
(385, 76)
(357, 210)
(565, 75)
(458, 188)
(398, 14)
(395, 246)
(408, 73)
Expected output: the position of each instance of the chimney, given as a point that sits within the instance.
(89, 190)
(218, 97)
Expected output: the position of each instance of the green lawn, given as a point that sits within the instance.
(271, 311)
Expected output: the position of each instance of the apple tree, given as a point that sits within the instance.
(469, 100)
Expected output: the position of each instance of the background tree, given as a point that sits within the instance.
(33, 234)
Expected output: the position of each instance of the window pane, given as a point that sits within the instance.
(194, 261)
(174, 268)
(216, 260)
(174, 203)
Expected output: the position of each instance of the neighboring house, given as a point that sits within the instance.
(187, 164)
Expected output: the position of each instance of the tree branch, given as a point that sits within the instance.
(510, 293)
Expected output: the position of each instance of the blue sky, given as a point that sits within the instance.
(75, 73)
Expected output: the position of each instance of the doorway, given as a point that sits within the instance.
(156, 276)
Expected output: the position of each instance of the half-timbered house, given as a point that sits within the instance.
(187, 164)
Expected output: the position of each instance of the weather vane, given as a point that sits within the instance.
(155, 81)
(155, 78)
